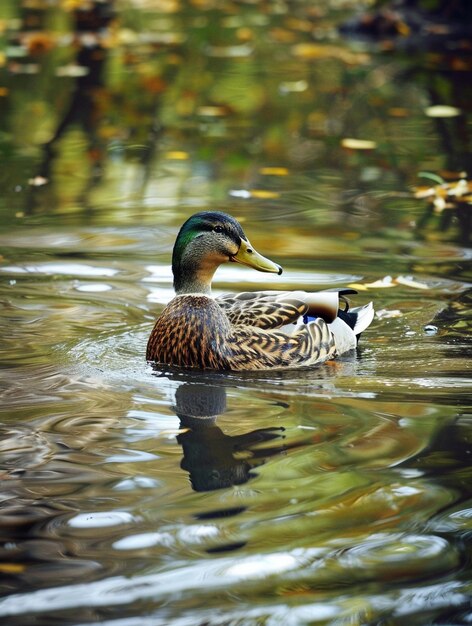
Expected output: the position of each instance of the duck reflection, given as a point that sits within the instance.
(213, 459)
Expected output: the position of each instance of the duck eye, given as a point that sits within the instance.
(218, 229)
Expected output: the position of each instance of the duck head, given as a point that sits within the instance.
(204, 242)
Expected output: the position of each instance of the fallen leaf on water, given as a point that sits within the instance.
(12, 568)
(274, 171)
(382, 283)
(459, 188)
(358, 144)
(388, 281)
(410, 282)
(442, 110)
(212, 111)
(358, 286)
(264, 194)
(311, 51)
(244, 34)
(177, 155)
(38, 181)
(445, 195)
(293, 86)
(385, 314)
(72, 71)
(237, 51)
(240, 193)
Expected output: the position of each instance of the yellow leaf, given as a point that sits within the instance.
(264, 194)
(274, 171)
(12, 568)
(176, 155)
(357, 286)
(311, 51)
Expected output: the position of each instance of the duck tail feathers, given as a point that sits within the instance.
(364, 316)
(358, 318)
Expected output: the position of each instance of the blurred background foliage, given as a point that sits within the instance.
(112, 109)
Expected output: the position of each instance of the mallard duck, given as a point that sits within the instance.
(250, 330)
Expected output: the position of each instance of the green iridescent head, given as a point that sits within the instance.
(205, 241)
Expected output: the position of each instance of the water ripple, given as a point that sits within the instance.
(240, 576)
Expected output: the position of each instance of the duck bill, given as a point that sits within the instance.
(247, 255)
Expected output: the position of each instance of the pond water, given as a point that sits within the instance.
(134, 497)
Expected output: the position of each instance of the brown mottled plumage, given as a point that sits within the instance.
(194, 331)
(246, 331)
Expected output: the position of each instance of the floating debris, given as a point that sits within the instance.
(212, 111)
(72, 71)
(240, 193)
(310, 51)
(446, 195)
(408, 281)
(296, 86)
(264, 194)
(385, 314)
(274, 171)
(230, 52)
(245, 194)
(382, 283)
(38, 181)
(177, 155)
(358, 144)
(442, 110)
(388, 281)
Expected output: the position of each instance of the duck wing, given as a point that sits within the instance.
(274, 309)
(262, 309)
(251, 347)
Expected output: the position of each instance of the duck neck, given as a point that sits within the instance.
(194, 279)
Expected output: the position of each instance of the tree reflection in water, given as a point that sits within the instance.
(85, 109)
